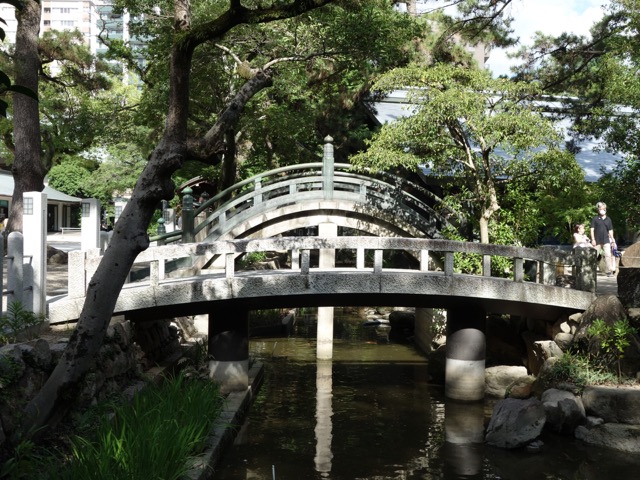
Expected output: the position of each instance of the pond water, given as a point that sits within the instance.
(370, 413)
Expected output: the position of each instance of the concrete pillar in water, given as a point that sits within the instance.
(229, 347)
(324, 335)
(466, 345)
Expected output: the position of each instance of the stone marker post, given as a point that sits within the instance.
(34, 229)
(90, 224)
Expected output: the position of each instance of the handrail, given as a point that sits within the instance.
(273, 180)
(298, 248)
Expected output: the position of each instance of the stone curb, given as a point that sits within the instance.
(227, 426)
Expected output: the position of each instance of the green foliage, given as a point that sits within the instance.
(74, 98)
(600, 89)
(249, 260)
(195, 362)
(620, 189)
(575, 369)
(471, 263)
(72, 175)
(599, 363)
(10, 371)
(26, 462)
(152, 437)
(612, 341)
(477, 136)
(16, 321)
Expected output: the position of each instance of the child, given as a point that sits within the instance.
(579, 237)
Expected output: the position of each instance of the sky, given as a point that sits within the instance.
(551, 17)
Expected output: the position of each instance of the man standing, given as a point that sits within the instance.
(602, 236)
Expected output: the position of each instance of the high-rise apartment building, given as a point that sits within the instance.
(90, 17)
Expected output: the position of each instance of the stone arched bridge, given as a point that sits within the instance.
(433, 281)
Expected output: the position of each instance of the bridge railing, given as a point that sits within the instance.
(407, 201)
(433, 255)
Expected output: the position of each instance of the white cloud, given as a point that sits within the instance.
(551, 17)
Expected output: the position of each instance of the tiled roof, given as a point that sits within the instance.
(6, 190)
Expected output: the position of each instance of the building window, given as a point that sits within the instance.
(86, 209)
(47, 23)
(27, 206)
(47, 10)
(67, 23)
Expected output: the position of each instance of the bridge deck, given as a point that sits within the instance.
(270, 289)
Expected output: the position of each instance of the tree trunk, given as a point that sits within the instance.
(229, 163)
(28, 171)
(484, 229)
(155, 184)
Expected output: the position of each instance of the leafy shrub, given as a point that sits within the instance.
(250, 259)
(17, 320)
(575, 369)
(612, 341)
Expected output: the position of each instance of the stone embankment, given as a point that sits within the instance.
(606, 416)
(128, 351)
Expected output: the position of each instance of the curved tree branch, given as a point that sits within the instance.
(210, 147)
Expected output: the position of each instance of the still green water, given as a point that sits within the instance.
(370, 413)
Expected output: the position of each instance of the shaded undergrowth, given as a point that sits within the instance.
(150, 437)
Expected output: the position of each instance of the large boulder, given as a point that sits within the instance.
(497, 379)
(539, 350)
(613, 404)
(629, 286)
(565, 412)
(605, 307)
(515, 423)
(631, 256)
(618, 436)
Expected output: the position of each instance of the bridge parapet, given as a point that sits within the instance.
(407, 202)
(581, 261)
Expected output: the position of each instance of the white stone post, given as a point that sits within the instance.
(324, 349)
(34, 229)
(170, 220)
(90, 236)
(15, 268)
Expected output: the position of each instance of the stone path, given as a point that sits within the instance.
(606, 285)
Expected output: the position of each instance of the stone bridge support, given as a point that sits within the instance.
(466, 346)
(229, 347)
(324, 334)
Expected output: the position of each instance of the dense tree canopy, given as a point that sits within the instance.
(480, 137)
(596, 77)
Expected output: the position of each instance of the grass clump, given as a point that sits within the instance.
(152, 437)
(577, 370)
